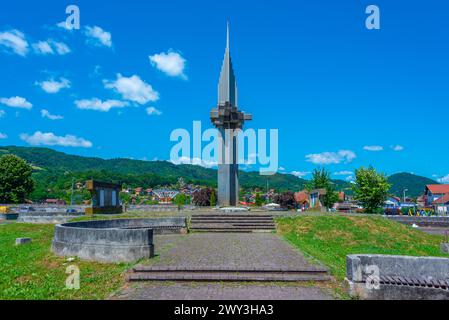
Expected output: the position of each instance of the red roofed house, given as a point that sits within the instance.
(302, 199)
(437, 195)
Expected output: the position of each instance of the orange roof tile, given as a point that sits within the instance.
(443, 199)
(438, 188)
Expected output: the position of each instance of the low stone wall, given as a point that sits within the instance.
(398, 278)
(440, 222)
(47, 207)
(8, 216)
(47, 217)
(156, 208)
(117, 240)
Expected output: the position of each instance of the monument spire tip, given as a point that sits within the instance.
(227, 34)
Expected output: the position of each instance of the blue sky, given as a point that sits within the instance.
(335, 90)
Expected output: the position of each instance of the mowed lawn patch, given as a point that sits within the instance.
(32, 271)
(329, 238)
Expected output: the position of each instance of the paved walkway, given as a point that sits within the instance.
(220, 291)
(225, 251)
(228, 251)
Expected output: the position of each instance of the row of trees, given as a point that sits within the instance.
(15, 179)
(370, 188)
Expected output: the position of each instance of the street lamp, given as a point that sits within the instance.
(403, 194)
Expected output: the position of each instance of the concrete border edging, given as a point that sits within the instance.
(399, 277)
(47, 217)
(116, 240)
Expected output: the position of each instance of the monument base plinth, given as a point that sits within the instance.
(233, 209)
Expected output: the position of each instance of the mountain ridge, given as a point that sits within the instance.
(50, 164)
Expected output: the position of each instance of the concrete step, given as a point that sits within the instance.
(232, 218)
(224, 215)
(288, 269)
(223, 226)
(230, 221)
(233, 230)
(234, 224)
(226, 276)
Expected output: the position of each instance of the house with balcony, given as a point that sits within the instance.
(437, 196)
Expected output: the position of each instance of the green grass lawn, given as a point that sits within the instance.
(31, 271)
(329, 238)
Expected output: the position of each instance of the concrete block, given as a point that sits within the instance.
(20, 241)
(445, 247)
(429, 270)
(117, 240)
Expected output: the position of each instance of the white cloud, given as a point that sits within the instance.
(98, 105)
(345, 156)
(3, 136)
(16, 102)
(153, 111)
(46, 114)
(51, 47)
(14, 41)
(373, 148)
(397, 148)
(61, 48)
(43, 47)
(171, 63)
(194, 161)
(63, 25)
(444, 179)
(350, 179)
(50, 139)
(2, 113)
(53, 86)
(281, 169)
(133, 89)
(343, 173)
(299, 174)
(97, 36)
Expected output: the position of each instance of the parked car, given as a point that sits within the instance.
(26, 209)
(71, 210)
(392, 211)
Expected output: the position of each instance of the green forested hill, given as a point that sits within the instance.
(55, 170)
(415, 184)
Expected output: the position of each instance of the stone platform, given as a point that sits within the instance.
(115, 240)
(232, 222)
(220, 291)
(227, 257)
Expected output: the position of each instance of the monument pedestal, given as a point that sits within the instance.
(233, 209)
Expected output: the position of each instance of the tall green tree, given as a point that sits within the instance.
(370, 189)
(321, 180)
(15, 179)
(258, 201)
(213, 199)
(203, 197)
(285, 199)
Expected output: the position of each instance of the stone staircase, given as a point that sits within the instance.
(232, 223)
(155, 273)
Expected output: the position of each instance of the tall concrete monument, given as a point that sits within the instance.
(228, 120)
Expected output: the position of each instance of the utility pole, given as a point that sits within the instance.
(267, 199)
(71, 196)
